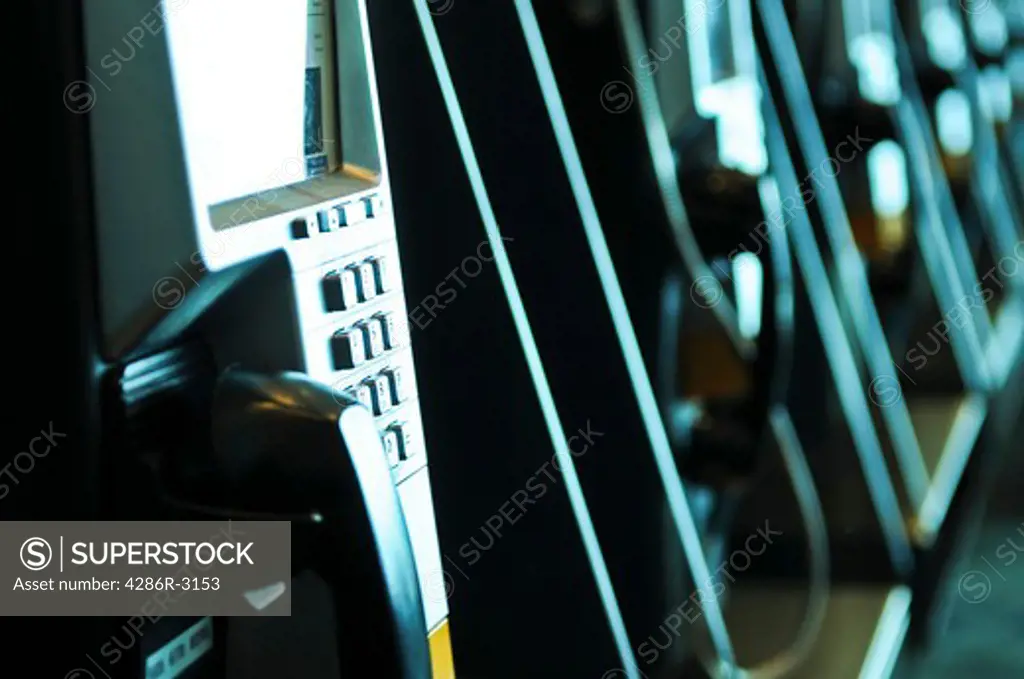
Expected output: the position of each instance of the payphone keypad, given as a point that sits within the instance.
(353, 318)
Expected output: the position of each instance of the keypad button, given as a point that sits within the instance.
(373, 337)
(351, 214)
(364, 394)
(391, 447)
(396, 383)
(380, 274)
(340, 290)
(406, 449)
(374, 206)
(303, 227)
(381, 391)
(367, 281)
(389, 329)
(356, 277)
(328, 220)
(348, 349)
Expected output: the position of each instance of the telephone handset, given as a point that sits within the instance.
(285, 447)
(708, 97)
(714, 287)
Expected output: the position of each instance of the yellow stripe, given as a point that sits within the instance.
(441, 652)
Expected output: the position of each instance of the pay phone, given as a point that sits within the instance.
(292, 299)
(253, 354)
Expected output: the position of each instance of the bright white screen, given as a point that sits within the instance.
(239, 71)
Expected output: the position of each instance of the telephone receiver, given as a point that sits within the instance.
(285, 447)
(714, 286)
